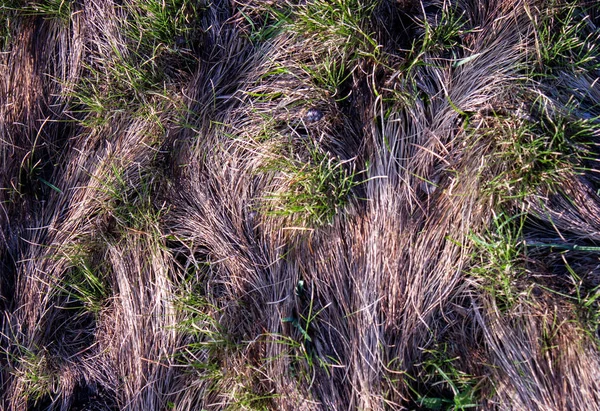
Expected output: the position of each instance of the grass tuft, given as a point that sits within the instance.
(312, 192)
(565, 39)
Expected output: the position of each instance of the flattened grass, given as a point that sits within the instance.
(445, 164)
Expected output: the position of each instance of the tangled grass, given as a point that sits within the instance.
(340, 204)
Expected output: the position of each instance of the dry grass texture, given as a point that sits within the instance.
(292, 205)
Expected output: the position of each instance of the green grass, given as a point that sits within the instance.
(314, 191)
(529, 155)
(340, 25)
(440, 371)
(130, 203)
(206, 346)
(209, 350)
(263, 23)
(340, 37)
(588, 303)
(207, 335)
(158, 26)
(304, 324)
(434, 42)
(498, 260)
(59, 10)
(531, 161)
(330, 73)
(120, 87)
(38, 382)
(33, 372)
(576, 291)
(138, 74)
(7, 21)
(564, 39)
(442, 35)
(84, 284)
(12, 13)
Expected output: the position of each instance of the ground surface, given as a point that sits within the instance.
(327, 204)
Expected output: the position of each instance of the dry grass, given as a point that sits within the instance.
(299, 205)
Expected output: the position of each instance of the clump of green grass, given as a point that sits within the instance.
(49, 9)
(340, 25)
(163, 25)
(528, 159)
(587, 302)
(312, 192)
(498, 260)
(262, 23)
(531, 155)
(441, 35)
(564, 39)
(440, 371)
(130, 203)
(60, 10)
(331, 73)
(207, 340)
(160, 34)
(84, 284)
(572, 284)
(436, 42)
(339, 36)
(32, 371)
(152, 52)
(302, 327)
(122, 87)
(118, 87)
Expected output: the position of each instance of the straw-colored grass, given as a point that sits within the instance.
(299, 205)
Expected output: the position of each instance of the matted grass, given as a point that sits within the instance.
(299, 205)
